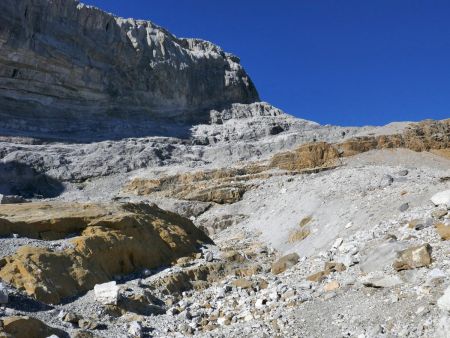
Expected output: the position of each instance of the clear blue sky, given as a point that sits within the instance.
(348, 62)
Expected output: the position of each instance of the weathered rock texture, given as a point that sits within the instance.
(67, 67)
(228, 185)
(427, 135)
(219, 186)
(27, 327)
(137, 236)
(308, 156)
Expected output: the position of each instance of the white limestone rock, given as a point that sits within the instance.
(107, 293)
(441, 198)
(3, 294)
(135, 330)
(444, 302)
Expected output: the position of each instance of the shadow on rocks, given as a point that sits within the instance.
(20, 179)
(20, 302)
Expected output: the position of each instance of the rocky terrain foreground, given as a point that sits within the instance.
(145, 191)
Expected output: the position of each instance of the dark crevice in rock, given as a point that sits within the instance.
(15, 72)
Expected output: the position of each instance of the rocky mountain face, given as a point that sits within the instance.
(69, 70)
(145, 191)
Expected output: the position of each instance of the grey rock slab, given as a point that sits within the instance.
(380, 256)
(381, 281)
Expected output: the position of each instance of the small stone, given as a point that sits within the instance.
(84, 334)
(414, 257)
(172, 311)
(284, 263)
(386, 181)
(3, 294)
(87, 324)
(71, 317)
(242, 283)
(305, 285)
(184, 261)
(317, 277)
(404, 207)
(381, 281)
(334, 267)
(274, 296)
(223, 321)
(436, 274)
(337, 243)
(441, 198)
(209, 256)
(443, 231)
(184, 328)
(444, 302)
(331, 286)
(439, 213)
(248, 317)
(135, 330)
(147, 272)
(404, 172)
(107, 293)
(420, 310)
(260, 303)
(416, 224)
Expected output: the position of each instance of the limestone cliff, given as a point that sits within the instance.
(74, 70)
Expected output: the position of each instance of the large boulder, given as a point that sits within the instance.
(136, 236)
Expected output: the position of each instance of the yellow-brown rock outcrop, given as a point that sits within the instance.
(115, 239)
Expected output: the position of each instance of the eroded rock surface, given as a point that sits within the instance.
(115, 239)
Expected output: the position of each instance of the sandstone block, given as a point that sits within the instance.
(414, 257)
(3, 294)
(443, 231)
(284, 263)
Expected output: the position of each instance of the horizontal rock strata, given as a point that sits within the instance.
(68, 67)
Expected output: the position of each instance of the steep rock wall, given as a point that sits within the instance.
(71, 69)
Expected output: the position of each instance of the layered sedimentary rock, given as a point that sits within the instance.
(66, 67)
(429, 135)
(228, 185)
(307, 156)
(136, 236)
(219, 186)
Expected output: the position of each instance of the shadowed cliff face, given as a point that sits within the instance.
(71, 70)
